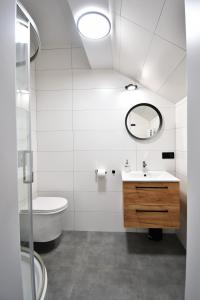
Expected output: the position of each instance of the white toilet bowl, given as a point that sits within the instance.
(47, 219)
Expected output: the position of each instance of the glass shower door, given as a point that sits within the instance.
(25, 176)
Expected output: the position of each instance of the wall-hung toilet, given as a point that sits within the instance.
(47, 219)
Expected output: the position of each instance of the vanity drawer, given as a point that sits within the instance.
(151, 193)
(152, 217)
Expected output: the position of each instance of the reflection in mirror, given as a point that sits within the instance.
(143, 121)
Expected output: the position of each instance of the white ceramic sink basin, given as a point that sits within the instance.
(151, 176)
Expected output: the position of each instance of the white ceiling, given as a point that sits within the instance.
(99, 53)
(55, 23)
(147, 41)
(151, 45)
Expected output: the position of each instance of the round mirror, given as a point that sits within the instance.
(143, 121)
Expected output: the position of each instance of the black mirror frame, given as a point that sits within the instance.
(159, 115)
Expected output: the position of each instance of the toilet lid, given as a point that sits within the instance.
(49, 204)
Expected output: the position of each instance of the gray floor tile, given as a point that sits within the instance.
(115, 266)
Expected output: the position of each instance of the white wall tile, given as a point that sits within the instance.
(55, 140)
(54, 100)
(97, 99)
(53, 80)
(68, 220)
(98, 221)
(116, 99)
(54, 120)
(55, 161)
(96, 201)
(33, 141)
(181, 139)
(110, 160)
(32, 79)
(183, 184)
(35, 156)
(33, 121)
(154, 161)
(181, 114)
(34, 187)
(103, 140)
(97, 138)
(145, 95)
(165, 141)
(32, 101)
(99, 120)
(54, 59)
(169, 117)
(55, 181)
(95, 79)
(181, 162)
(32, 98)
(87, 181)
(79, 59)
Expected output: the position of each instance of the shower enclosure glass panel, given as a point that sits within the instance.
(24, 144)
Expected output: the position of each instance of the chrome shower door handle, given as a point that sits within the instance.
(27, 166)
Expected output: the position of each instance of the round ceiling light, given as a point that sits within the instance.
(94, 25)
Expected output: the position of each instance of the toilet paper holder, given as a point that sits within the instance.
(96, 171)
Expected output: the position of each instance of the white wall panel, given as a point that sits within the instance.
(52, 80)
(82, 129)
(55, 161)
(79, 59)
(91, 160)
(55, 140)
(54, 120)
(55, 181)
(98, 79)
(54, 59)
(54, 100)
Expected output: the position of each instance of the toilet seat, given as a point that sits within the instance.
(48, 205)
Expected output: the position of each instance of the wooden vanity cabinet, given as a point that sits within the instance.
(151, 204)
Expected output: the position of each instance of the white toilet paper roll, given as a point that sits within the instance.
(101, 173)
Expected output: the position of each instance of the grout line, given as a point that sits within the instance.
(118, 130)
(170, 42)
(61, 48)
(160, 16)
(150, 44)
(152, 32)
(170, 74)
(73, 146)
(120, 12)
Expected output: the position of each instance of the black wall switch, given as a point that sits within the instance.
(167, 155)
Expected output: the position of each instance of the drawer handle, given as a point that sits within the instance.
(151, 210)
(152, 187)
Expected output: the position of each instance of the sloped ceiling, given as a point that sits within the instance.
(55, 23)
(147, 42)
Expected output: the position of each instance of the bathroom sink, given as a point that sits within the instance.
(150, 176)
